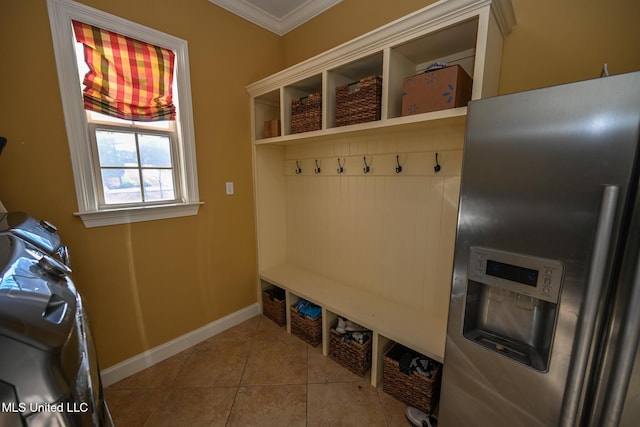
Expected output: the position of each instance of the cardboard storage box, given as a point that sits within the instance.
(436, 90)
(271, 128)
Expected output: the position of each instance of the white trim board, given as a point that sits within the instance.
(142, 361)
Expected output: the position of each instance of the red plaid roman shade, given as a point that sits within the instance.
(127, 78)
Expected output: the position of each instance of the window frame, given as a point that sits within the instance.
(137, 130)
(86, 177)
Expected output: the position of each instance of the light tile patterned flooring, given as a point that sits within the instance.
(255, 374)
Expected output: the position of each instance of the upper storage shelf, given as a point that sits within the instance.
(468, 33)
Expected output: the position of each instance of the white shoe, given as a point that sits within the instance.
(418, 418)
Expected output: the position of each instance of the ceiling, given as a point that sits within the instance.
(278, 16)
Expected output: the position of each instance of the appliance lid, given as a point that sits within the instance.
(37, 305)
(40, 233)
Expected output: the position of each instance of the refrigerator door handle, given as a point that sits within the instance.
(589, 309)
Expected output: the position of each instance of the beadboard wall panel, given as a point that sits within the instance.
(390, 234)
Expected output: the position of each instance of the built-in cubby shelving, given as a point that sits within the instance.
(373, 246)
(455, 44)
(266, 107)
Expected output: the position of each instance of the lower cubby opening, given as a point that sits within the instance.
(411, 377)
(306, 321)
(273, 303)
(350, 344)
(387, 359)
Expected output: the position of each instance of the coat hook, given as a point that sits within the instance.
(398, 168)
(298, 170)
(317, 169)
(437, 168)
(366, 168)
(340, 167)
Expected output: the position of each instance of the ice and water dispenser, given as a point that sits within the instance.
(511, 304)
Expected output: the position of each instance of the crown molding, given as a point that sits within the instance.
(278, 25)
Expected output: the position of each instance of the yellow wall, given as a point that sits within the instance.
(554, 41)
(343, 22)
(560, 41)
(144, 283)
(147, 283)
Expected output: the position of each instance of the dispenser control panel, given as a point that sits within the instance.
(536, 277)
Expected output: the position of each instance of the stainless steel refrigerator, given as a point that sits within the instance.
(544, 317)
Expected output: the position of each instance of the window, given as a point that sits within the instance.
(124, 170)
(135, 162)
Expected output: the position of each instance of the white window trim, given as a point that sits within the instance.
(61, 13)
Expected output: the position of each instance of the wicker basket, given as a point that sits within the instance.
(352, 355)
(359, 102)
(273, 305)
(306, 113)
(414, 390)
(306, 328)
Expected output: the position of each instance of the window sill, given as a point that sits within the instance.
(138, 214)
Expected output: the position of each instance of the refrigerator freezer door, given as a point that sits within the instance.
(631, 407)
(594, 291)
(534, 169)
(622, 400)
(616, 397)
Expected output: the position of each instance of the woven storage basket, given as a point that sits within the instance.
(352, 355)
(414, 390)
(306, 113)
(273, 305)
(359, 102)
(306, 328)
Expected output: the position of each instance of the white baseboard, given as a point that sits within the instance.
(157, 354)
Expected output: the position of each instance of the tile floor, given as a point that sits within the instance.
(255, 374)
